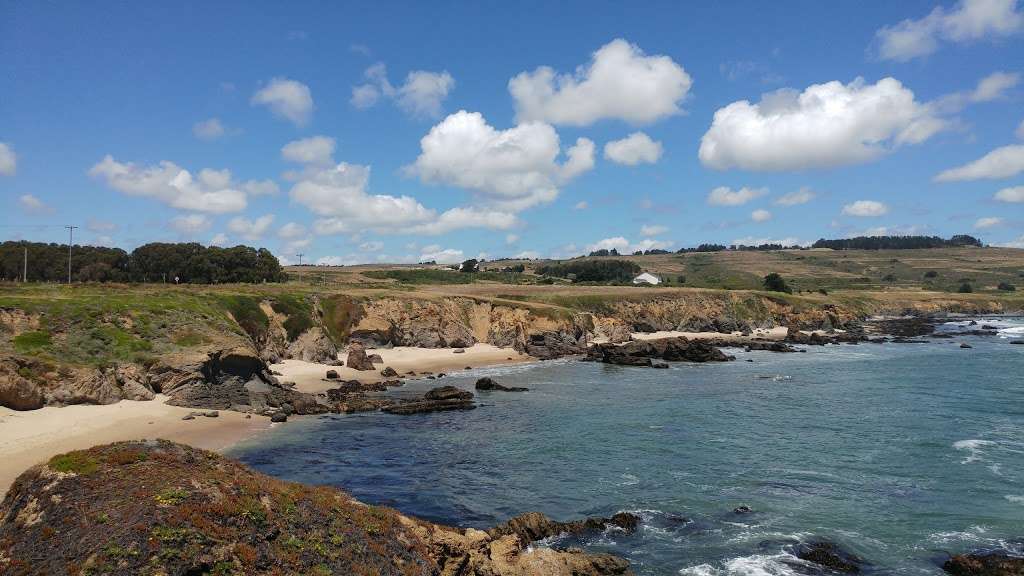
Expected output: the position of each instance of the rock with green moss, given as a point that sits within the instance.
(155, 507)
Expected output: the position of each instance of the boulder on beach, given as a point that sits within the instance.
(279, 417)
(375, 359)
(389, 372)
(332, 374)
(357, 358)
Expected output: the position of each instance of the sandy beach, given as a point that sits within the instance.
(30, 437)
(309, 377)
(33, 436)
(777, 333)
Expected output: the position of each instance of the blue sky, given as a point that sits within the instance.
(365, 132)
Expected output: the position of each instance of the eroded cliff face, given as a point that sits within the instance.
(308, 332)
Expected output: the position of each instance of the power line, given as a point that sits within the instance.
(71, 236)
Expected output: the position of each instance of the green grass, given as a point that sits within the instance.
(78, 462)
(339, 316)
(298, 312)
(247, 313)
(31, 342)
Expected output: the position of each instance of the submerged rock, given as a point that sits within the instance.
(436, 400)
(486, 383)
(829, 555)
(965, 345)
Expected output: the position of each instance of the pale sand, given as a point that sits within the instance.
(309, 377)
(34, 436)
(777, 333)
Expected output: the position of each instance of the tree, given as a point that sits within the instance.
(470, 265)
(1006, 287)
(592, 270)
(965, 288)
(775, 283)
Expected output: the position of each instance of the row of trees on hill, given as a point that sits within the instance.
(897, 242)
(190, 263)
(592, 270)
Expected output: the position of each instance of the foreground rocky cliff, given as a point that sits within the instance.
(162, 508)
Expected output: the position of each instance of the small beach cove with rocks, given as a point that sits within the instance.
(898, 454)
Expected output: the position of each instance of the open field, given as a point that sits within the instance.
(983, 268)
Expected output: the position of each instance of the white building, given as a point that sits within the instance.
(647, 278)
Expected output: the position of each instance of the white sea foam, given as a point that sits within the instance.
(973, 447)
(756, 565)
(1015, 499)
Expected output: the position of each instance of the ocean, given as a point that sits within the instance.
(899, 453)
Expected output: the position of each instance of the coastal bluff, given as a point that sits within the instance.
(157, 507)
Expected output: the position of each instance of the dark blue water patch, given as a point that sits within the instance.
(896, 452)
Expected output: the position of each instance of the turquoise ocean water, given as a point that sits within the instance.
(900, 453)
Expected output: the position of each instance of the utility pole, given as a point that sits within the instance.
(71, 236)
(300, 255)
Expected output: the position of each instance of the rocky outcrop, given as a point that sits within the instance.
(29, 383)
(194, 512)
(534, 526)
(550, 345)
(641, 352)
(357, 358)
(229, 380)
(985, 564)
(486, 383)
(436, 400)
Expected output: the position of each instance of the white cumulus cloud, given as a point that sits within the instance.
(8, 160)
(829, 124)
(209, 129)
(988, 222)
(220, 239)
(620, 82)
(289, 99)
(725, 196)
(755, 241)
(338, 194)
(511, 169)
(1003, 162)
(33, 205)
(581, 205)
(624, 246)
(312, 150)
(441, 255)
(760, 215)
(865, 208)
(653, 230)
(251, 229)
(1013, 194)
(421, 95)
(1020, 130)
(210, 191)
(970, 20)
(191, 225)
(801, 196)
(637, 148)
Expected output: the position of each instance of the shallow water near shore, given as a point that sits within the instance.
(898, 452)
